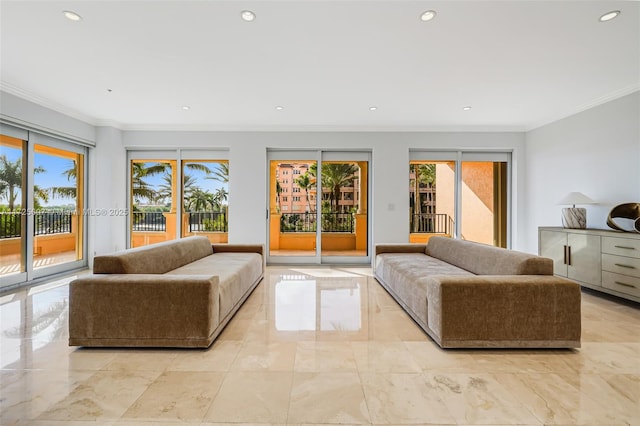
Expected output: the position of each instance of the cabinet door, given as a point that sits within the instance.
(585, 263)
(552, 245)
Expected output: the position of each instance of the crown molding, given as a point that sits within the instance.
(47, 103)
(595, 102)
(322, 128)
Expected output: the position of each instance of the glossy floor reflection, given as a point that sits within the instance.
(314, 346)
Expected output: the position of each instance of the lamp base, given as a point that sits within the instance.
(574, 217)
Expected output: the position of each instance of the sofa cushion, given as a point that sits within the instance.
(406, 274)
(155, 258)
(236, 272)
(482, 259)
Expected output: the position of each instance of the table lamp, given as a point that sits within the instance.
(575, 217)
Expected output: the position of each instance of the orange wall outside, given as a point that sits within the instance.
(477, 199)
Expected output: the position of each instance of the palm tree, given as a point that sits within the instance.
(306, 182)
(165, 190)
(221, 174)
(221, 195)
(199, 200)
(424, 175)
(278, 192)
(11, 181)
(334, 177)
(141, 189)
(66, 191)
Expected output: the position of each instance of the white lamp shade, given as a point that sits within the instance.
(574, 198)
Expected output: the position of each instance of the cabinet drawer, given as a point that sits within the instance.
(621, 283)
(621, 265)
(622, 246)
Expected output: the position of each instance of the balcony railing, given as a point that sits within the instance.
(149, 222)
(45, 223)
(307, 222)
(208, 222)
(431, 223)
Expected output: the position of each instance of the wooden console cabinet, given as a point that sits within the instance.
(607, 261)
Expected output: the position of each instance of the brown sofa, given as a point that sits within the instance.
(467, 295)
(179, 293)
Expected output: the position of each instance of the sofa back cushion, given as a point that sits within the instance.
(482, 259)
(155, 258)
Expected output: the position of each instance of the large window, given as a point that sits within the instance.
(205, 193)
(459, 194)
(176, 194)
(41, 205)
(318, 207)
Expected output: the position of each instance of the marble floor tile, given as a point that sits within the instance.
(554, 401)
(274, 356)
(236, 329)
(353, 356)
(130, 359)
(68, 423)
(327, 397)
(606, 358)
(252, 397)
(618, 393)
(324, 356)
(514, 361)
(218, 357)
(404, 398)
(384, 357)
(106, 395)
(479, 399)
(25, 394)
(182, 395)
(431, 357)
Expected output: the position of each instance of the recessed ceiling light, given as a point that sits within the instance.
(428, 15)
(373, 108)
(247, 15)
(466, 108)
(109, 90)
(186, 107)
(72, 16)
(279, 108)
(609, 15)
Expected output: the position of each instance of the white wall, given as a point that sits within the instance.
(21, 111)
(389, 195)
(596, 152)
(390, 169)
(108, 170)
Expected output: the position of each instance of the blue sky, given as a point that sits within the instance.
(199, 176)
(55, 167)
(53, 176)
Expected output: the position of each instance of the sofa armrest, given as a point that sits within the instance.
(142, 307)
(238, 248)
(504, 308)
(400, 248)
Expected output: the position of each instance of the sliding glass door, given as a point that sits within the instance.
(13, 224)
(42, 200)
(483, 193)
(318, 207)
(178, 193)
(459, 194)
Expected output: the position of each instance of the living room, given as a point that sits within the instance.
(562, 103)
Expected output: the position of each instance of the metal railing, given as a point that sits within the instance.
(208, 222)
(298, 222)
(44, 223)
(307, 222)
(431, 223)
(149, 222)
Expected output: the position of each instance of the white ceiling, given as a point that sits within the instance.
(519, 64)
